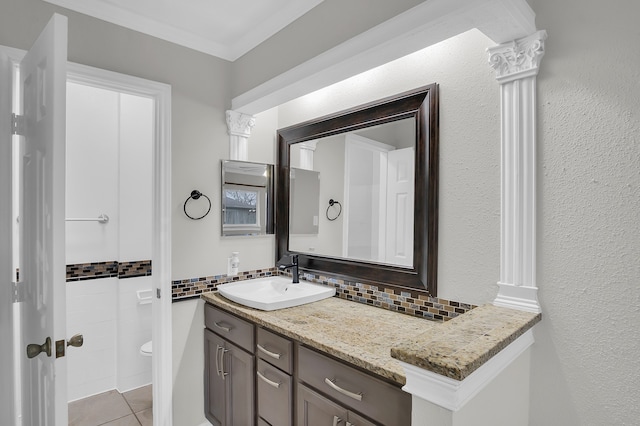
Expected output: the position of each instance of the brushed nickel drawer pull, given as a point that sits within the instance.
(222, 327)
(218, 359)
(356, 396)
(222, 352)
(336, 420)
(267, 381)
(269, 353)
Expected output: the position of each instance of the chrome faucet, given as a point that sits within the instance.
(293, 266)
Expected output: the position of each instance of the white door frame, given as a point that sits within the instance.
(162, 364)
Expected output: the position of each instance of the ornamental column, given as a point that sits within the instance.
(239, 127)
(516, 64)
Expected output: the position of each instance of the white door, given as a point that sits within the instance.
(365, 198)
(43, 271)
(400, 195)
(7, 274)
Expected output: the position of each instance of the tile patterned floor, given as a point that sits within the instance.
(112, 408)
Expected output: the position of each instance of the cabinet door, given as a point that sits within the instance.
(215, 399)
(228, 382)
(316, 410)
(238, 373)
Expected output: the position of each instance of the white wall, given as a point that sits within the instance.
(109, 139)
(585, 363)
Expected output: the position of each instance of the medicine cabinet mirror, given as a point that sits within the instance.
(247, 198)
(358, 192)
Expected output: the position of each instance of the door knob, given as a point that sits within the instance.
(33, 349)
(76, 341)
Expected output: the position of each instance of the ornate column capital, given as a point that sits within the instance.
(240, 124)
(519, 58)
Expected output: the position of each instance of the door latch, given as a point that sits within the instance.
(76, 341)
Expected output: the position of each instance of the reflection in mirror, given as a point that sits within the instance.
(372, 172)
(247, 198)
(377, 186)
(305, 198)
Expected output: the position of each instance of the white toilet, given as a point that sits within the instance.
(146, 349)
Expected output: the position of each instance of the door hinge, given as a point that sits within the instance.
(18, 124)
(17, 291)
(158, 293)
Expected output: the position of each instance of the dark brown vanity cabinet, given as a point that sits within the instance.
(255, 376)
(229, 380)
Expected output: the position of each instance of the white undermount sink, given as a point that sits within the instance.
(271, 293)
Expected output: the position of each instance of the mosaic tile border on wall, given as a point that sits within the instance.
(193, 287)
(409, 302)
(108, 269)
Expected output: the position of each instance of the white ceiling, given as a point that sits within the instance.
(223, 28)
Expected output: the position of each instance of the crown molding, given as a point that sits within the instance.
(424, 25)
(171, 33)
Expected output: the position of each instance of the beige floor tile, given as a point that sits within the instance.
(98, 409)
(139, 399)
(145, 417)
(130, 420)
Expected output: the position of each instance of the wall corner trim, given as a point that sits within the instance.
(452, 394)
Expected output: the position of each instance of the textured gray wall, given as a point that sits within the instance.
(586, 368)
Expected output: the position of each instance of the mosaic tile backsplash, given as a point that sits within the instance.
(97, 270)
(410, 302)
(194, 287)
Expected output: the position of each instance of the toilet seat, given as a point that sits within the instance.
(146, 349)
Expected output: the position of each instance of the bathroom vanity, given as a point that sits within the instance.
(323, 363)
(330, 359)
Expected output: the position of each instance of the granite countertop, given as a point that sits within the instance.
(375, 338)
(458, 347)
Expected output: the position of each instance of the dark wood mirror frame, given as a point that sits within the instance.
(421, 104)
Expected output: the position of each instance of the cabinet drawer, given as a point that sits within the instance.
(275, 349)
(275, 400)
(354, 389)
(230, 327)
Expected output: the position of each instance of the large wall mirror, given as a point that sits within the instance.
(247, 198)
(358, 192)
